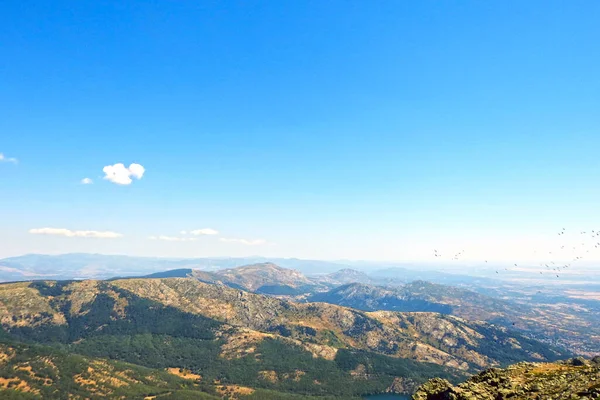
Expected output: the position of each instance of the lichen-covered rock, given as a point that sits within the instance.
(434, 389)
(576, 378)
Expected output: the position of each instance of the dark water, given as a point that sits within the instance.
(388, 397)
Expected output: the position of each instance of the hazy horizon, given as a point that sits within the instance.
(582, 268)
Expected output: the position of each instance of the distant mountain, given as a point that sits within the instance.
(99, 266)
(572, 379)
(344, 276)
(421, 296)
(86, 266)
(256, 277)
(265, 278)
(172, 273)
(392, 275)
(268, 278)
(553, 323)
(373, 298)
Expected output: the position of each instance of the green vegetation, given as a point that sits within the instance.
(152, 325)
(99, 318)
(296, 370)
(41, 372)
(297, 375)
(150, 334)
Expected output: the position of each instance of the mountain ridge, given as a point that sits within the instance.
(240, 338)
(539, 321)
(382, 332)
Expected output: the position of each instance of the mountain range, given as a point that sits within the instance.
(565, 322)
(569, 323)
(233, 338)
(267, 278)
(99, 266)
(265, 331)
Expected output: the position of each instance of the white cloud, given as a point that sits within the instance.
(255, 242)
(70, 233)
(182, 238)
(3, 158)
(86, 181)
(205, 231)
(172, 238)
(136, 170)
(121, 175)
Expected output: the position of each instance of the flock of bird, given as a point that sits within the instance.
(554, 267)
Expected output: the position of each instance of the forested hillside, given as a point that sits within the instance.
(235, 338)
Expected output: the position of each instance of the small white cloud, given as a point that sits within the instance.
(171, 238)
(3, 158)
(255, 242)
(121, 175)
(86, 181)
(183, 232)
(205, 231)
(70, 233)
(136, 170)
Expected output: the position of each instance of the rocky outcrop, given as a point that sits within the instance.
(572, 379)
(402, 385)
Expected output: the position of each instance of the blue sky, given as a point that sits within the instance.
(336, 130)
